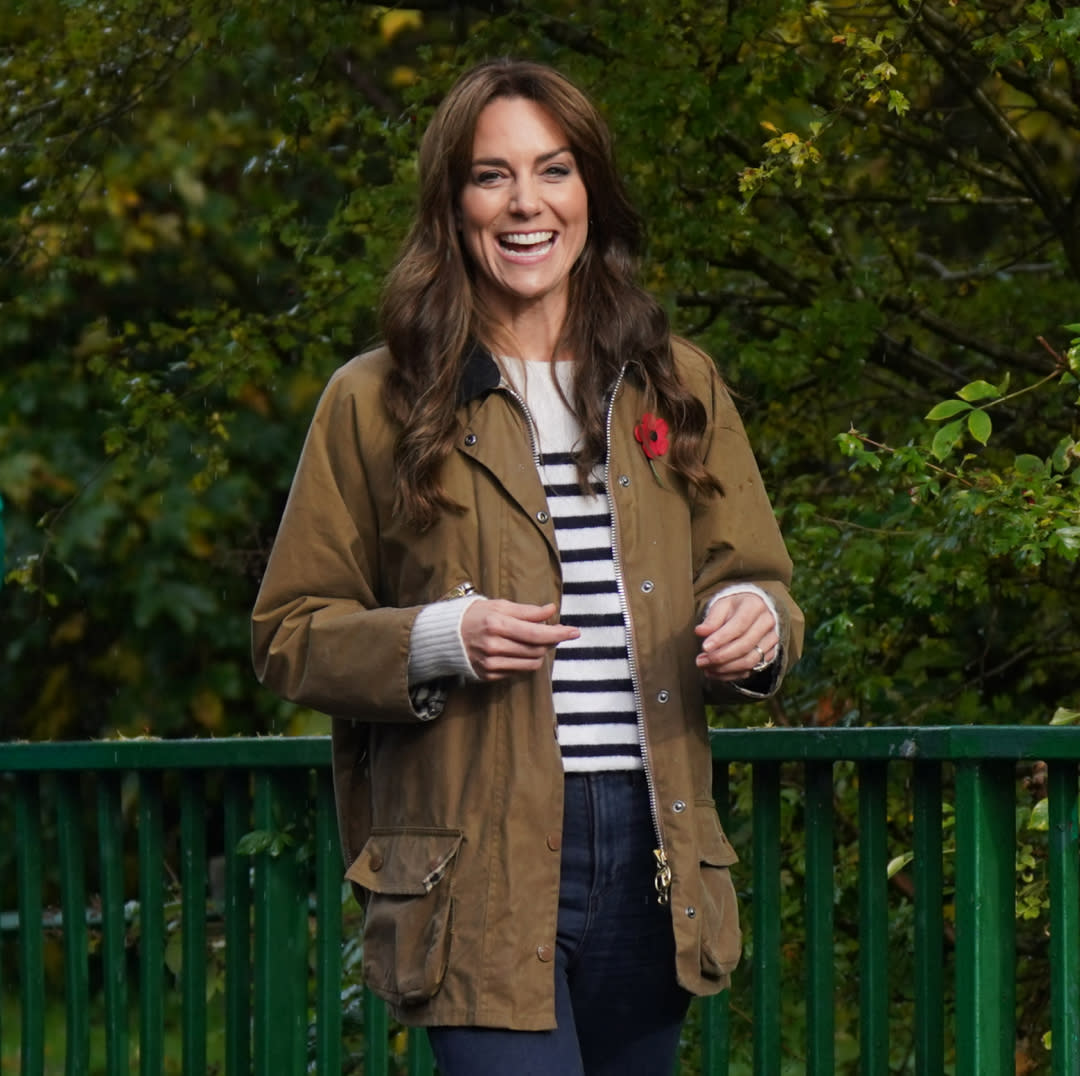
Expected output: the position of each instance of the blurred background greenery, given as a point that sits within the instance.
(858, 209)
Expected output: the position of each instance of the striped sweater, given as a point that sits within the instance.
(590, 680)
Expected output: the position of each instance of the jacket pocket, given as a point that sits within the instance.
(721, 936)
(409, 920)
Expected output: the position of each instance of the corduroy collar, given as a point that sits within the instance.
(479, 376)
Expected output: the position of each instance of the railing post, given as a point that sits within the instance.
(1064, 920)
(31, 947)
(818, 829)
(193, 964)
(114, 954)
(767, 970)
(873, 921)
(280, 928)
(929, 922)
(985, 918)
(71, 838)
(715, 1014)
(328, 883)
(237, 911)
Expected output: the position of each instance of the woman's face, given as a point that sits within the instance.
(524, 212)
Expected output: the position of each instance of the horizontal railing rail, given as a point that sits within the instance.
(180, 906)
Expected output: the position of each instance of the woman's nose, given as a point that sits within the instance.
(525, 199)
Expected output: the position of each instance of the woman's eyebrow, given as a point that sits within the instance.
(501, 162)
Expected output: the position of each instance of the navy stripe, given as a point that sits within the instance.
(597, 750)
(592, 620)
(548, 458)
(590, 653)
(610, 587)
(579, 556)
(588, 686)
(596, 519)
(609, 717)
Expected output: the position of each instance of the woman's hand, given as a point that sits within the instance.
(503, 639)
(737, 633)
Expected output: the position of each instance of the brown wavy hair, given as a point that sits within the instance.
(431, 315)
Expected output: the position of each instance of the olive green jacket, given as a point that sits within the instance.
(452, 826)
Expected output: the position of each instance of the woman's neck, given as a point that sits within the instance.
(531, 331)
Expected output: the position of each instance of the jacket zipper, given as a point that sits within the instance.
(662, 880)
(534, 441)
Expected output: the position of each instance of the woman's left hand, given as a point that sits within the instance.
(737, 633)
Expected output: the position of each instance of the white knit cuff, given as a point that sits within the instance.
(436, 648)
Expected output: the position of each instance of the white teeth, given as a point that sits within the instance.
(527, 239)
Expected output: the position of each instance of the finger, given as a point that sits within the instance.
(739, 634)
(524, 611)
(500, 644)
(734, 612)
(741, 655)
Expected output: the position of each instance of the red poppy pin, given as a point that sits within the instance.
(652, 434)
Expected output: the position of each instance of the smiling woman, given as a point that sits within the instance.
(524, 219)
(523, 539)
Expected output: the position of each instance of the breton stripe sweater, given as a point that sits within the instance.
(590, 680)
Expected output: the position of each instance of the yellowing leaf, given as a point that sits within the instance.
(208, 709)
(398, 20)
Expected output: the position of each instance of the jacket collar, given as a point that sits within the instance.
(479, 376)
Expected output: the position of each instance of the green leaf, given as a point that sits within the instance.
(947, 409)
(1040, 815)
(978, 390)
(980, 426)
(1027, 464)
(1065, 717)
(1069, 537)
(255, 842)
(946, 438)
(898, 863)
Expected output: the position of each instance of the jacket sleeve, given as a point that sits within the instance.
(735, 536)
(320, 635)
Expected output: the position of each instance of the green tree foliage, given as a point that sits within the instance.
(862, 210)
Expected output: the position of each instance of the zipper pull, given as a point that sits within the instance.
(662, 881)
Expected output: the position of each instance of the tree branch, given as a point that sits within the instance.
(1028, 165)
(948, 330)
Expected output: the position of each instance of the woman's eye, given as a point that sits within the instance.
(487, 177)
(558, 170)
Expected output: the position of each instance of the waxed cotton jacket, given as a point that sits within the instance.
(452, 826)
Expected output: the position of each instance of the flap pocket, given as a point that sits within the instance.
(713, 846)
(405, 862)
(721, 937)
(408, 924)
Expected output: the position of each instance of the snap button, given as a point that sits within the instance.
(624, 480)
(542, 516)
(375, 861)
(544, 952)
(554, 841)
(647, 586)
(663, 696)
(691, 912)
(470, 439)
(678, 806)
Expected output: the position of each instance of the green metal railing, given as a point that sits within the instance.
(180, 903)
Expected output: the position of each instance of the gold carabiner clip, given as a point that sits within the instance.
(662, 881)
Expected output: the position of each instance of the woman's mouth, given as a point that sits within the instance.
(527, 244)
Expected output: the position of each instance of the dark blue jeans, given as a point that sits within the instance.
(618, 1007)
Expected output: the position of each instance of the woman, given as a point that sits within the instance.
(522, 538)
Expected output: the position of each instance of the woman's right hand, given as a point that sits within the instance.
(503, 639)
